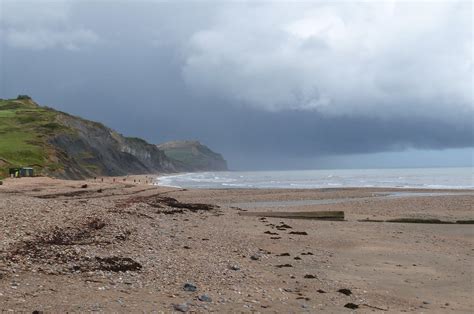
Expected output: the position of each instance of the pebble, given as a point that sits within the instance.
(345, 291)
(204, 298)
(189, 287)
(351, 306)
(181, 307)
(255, 257)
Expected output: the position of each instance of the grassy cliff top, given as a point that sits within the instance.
(25, 129)
(195, 155)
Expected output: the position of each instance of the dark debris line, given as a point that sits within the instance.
(56, 247)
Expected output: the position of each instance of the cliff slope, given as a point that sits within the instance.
(193, 156)
(61, 145)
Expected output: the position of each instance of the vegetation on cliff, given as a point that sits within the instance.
(25, 129)
(60, 145)
(194, 155)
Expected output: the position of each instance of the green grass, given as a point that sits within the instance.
(19, 147)
(185, 155)
(7, 114)
(179, 154)
(24, 132)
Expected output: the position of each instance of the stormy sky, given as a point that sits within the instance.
(270, 84)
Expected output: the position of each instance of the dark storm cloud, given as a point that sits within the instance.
(253, 80)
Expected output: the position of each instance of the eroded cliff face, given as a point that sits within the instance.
(91, 149)
(60, 145)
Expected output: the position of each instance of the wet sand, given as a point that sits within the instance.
(117, 245)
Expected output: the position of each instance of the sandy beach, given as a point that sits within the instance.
(123, 245)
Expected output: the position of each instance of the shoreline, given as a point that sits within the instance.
(222, 180)
(242, 263)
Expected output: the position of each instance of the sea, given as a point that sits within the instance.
(424, 178)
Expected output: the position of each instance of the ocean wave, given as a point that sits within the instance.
(441, 178)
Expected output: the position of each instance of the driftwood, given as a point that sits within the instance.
(319, 215)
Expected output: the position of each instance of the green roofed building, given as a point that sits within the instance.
(21, 172)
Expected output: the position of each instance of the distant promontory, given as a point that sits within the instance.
(194, 156)
(60, 145)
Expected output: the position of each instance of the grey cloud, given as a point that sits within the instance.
(42, 25)
(42, 39)
(381, 58)
(256, 81)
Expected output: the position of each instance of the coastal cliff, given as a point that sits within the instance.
(193, 156)
(60, 145)
(94, 149)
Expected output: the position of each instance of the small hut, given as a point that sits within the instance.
(21, 172)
